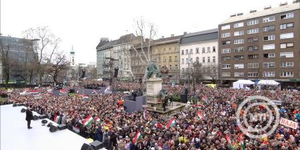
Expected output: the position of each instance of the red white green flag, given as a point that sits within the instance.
(98, 120)
(200, 115)
(204, 98)
(137, 137)
(228, 139)
(56, 118)
(88, 121)
(85, 97)
(171, 123)
(159, 125)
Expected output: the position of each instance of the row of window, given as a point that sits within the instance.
(256, 30)
(255, 39)
(256, 65)
(256, 21)
(256, 74)
(208, 50)
(197, 60)
(165, 50)
(164, 59)
(256, 56)
(256, 48)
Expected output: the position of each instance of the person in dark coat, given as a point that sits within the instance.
(29, 117)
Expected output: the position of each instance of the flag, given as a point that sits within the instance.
(199, 115)
(98, 120)
(159, 125)
(145, 115)
(243, 145)
(56, 118)
(137, 137)
(85, 97)
(63, 91)
(88, 121)
(204, 98)
(228, 139)
(171, 123)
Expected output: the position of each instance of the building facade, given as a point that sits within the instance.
(121, 52)
(165, 52)
(18, 54)
(201, 48)
(261, 45)
(104, 53)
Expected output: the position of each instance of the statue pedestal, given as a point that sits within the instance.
(154, 85)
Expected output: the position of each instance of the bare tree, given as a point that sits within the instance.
(145, 32)
(212, 72)
(197, 72)
(58, 65)
(6, 62)
(47, 46)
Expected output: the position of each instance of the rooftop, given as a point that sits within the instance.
(270, 11)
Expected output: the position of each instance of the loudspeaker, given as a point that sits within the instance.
(62, 126)
(35, 117)
(53, 128)
(23, 110)
(86, 147)
(183, 98)
(96, 144)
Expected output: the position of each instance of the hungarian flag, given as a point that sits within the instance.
(199, 115)
(98, 120)
(34, 92)
(159, 125)
(228, 139)
(171, 123)
(137, 137)
(85, 97)
(243, 145)
(63, 91)
(204, 98)
(88, 121)
(56, 118)
(145, 115)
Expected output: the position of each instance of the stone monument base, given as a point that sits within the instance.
(154, 85)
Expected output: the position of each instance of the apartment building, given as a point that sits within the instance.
(200, 47)
(261, 45)
(166, 53)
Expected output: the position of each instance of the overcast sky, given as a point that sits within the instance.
(82, 23)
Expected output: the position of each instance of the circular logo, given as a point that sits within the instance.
(258, 118)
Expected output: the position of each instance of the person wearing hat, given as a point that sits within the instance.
(29, 117)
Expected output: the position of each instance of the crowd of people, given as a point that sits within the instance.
(208, 124)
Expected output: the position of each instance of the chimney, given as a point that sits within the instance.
(283, 4)
(184, 33)
(296, 1)
(252, 11)
(239, 14)
(268, 7)
(233, 15)
(172, 35)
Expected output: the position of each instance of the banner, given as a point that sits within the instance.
(289, 123)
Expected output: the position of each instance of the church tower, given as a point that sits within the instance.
(72, 57)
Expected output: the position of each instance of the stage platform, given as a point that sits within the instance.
(16, 136)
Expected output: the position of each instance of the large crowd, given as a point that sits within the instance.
(208, 124)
